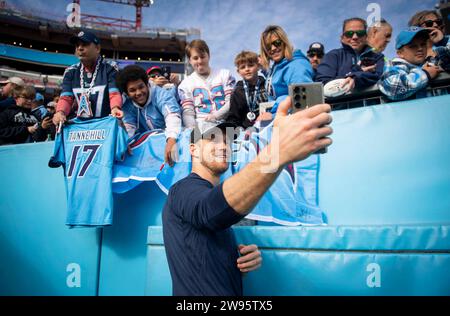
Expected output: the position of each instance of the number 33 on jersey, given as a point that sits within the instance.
(206, 95)
(87, 150)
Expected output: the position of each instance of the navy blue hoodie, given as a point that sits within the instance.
(343, 62)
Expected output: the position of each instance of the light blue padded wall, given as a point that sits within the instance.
(388, 169)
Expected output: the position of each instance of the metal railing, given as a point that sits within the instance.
(373, 96)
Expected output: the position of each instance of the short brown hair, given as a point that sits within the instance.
(24, 91)
(418, 18)
(281, 34)
(199, 45)
(246, 57)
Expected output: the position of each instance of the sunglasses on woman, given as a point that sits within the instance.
(360, 33)
(155, 75)
(430, 23)
(277, 43)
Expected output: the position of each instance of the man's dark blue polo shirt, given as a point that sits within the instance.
(200, 245)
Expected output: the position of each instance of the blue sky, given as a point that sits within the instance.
(229, 26)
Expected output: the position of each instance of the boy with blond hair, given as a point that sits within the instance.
(248, 92)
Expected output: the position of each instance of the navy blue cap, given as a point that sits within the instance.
(406, 36)
(86, 37)
(316, 47)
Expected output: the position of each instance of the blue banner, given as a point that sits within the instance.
(292, 200)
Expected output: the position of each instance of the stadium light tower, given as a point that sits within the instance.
(139, 4)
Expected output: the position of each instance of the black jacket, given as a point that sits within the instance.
(238, 104)
(6, 103)
(14, 122)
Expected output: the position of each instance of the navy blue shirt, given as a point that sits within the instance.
(200, 245)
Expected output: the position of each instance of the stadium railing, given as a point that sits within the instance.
(373, 96)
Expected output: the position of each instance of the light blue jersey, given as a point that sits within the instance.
(146, 163)
(87, 150)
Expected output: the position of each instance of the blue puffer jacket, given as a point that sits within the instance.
(343, 62)
(286, 72)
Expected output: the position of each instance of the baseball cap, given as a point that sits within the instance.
(151, 69)
(406, 36)
(39, 97)
(203, 129)
(316, 47)
(86, 37)
(16, 80)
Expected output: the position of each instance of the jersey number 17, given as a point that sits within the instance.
(92, 149)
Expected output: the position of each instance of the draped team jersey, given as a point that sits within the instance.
(87, 150)
(206, 95)
(105, 83)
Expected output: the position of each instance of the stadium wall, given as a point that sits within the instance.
(384, 186)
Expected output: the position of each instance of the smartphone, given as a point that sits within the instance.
(367, 61)
(48, 114)
(305, 95)
(166, 72)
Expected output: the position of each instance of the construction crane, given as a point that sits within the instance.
(139, 4)
(115, 22)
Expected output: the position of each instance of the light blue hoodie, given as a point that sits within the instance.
(160, 112)
(286, 72)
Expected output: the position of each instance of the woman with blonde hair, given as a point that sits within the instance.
(432, 21)
(438, 46)
(283, 64)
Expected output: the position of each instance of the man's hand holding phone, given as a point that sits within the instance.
(306, 95)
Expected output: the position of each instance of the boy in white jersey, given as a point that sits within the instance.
(206, 93)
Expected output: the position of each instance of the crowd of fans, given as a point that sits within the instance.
(24, 117)
(157, 99)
